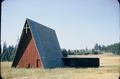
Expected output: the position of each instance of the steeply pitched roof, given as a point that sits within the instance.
(47, 44)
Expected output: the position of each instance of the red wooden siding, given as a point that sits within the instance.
(30, 57)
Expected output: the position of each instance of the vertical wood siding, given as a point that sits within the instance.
(30, 57)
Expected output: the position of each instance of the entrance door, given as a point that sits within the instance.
(37, 63)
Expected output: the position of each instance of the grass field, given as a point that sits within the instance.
(109, 68)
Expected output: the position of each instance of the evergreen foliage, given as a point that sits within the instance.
(8, 52)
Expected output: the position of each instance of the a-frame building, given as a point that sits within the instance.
(38, 47)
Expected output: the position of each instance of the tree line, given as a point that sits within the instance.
(98, 49)
(8, 51)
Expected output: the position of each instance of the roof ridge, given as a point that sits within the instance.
(28, 20)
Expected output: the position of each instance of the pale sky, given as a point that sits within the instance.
(78, 23)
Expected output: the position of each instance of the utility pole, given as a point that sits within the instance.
(0, 35)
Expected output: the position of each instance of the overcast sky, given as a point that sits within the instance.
(78, 23)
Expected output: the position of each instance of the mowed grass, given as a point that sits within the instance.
(109, 68)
